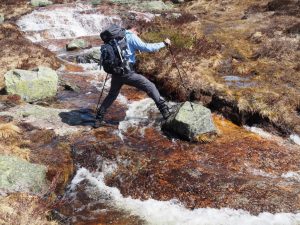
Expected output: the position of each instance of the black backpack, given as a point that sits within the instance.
(113, 50)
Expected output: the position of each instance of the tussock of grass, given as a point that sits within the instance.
(16, 151)
(11, 142)
(23, 209)
(9, 130)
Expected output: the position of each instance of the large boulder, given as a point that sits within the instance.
(32, 85)
(19, 175)
(41, 3)
(193, 123)
(77, 44)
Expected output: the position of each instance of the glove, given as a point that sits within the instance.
(167, 42)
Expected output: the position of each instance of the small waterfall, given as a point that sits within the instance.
(69, 21)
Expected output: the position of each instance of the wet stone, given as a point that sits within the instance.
(192, 122)
(20, 175)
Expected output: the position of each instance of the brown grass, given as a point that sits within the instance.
(257, 48)
(23, 209)
(9, 130)
(11, 142)
(19, 52)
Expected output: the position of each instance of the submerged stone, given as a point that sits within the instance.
(193, 124)
(19, 175)
(77, 44)
(41, 3)
(32, 85)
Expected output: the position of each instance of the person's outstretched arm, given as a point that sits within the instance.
(138, 44)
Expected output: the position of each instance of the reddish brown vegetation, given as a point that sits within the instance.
(19, 52)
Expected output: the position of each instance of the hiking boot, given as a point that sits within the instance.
(164, 109)
(165, 112)
(99, 119)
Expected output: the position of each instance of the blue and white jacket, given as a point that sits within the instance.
(135, 43)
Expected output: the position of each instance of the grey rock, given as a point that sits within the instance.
(193, 124)
(92, 56)
(77, 44)
(40, 3)
(19, 175)
(154, 6)
(96, 2)
(32, 85)
(1, 18)
(59, 120)
(69, 86)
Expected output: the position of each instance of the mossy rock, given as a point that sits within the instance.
(77, 44)
(32, 85)
(19, 175)
(40, 3)
(191, 122)
(154, 6)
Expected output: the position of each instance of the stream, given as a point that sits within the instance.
(129, 172)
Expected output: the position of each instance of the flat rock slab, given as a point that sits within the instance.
(19, 175)
(191, 122)
(32, 85)
(62, 121)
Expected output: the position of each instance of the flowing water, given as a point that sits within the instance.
(129, 172)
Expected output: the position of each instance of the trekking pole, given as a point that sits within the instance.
(181, 79)
(106, 78)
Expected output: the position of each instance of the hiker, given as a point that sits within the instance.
(126, 74)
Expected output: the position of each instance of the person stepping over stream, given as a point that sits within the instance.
(118, 59)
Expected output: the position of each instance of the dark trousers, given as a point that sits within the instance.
(132, 79)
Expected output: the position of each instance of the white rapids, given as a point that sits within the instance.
(63, 22)
(171, 212)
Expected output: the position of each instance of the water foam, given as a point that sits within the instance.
(68, 21)
(292, 175)
(173, 213)
(259, 131)
(138, 112)
(295, 138)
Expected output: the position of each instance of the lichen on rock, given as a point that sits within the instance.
(192, 122)
(32, 85)
(20, 175)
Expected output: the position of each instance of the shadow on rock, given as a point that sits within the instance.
(80, 117)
